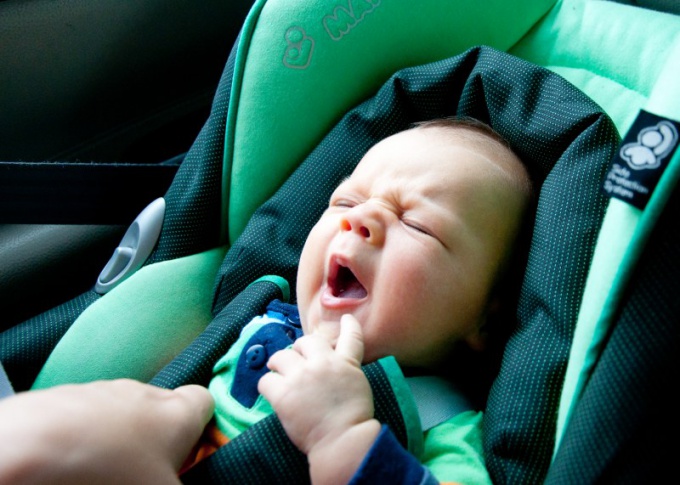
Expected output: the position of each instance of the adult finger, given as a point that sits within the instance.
(351, 339)
(186, 411)
(199, 401)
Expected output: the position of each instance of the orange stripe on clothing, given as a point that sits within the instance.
(209, 442)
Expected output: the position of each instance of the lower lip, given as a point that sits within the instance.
(328, 300)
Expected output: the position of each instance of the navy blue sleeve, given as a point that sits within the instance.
(388, 462)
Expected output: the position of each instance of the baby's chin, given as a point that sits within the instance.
(330, 330)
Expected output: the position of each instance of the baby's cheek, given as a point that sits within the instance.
(386, 336)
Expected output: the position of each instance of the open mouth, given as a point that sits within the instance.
(344, 284)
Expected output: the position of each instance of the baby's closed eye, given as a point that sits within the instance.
(342, 202)
(417, 226)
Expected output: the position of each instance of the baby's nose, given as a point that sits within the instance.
(345, 225)
(364, 224)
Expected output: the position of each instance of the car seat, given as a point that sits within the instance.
(593, 259)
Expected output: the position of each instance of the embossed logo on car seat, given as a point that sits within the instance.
(299, 48)
(343, 19)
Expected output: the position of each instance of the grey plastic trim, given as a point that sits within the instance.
(134, 248)
(6, 388)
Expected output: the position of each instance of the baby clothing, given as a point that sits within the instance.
(238, 405)
(449, 450)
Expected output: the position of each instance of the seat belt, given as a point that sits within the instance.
(437, 400)
(79, 193)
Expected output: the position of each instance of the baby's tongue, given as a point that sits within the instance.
(352, 289)
(347, 285)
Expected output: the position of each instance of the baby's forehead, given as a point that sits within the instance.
(439, 179)
(495, 150)
(422, 150)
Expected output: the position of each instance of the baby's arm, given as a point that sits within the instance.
(325, 402)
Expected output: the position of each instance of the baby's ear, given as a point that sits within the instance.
(478, 338)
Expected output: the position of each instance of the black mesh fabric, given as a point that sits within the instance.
(566, 142)
(24, 348)
(193, 202)
(261, 455)
(623, 428)
(521, 415)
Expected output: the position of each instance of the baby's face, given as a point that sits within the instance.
(410, 245)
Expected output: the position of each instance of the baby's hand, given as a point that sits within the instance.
(324, 401)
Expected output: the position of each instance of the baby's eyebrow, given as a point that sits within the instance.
(345, 179)
(342, 182)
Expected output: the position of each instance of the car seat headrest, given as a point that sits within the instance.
(303, 64)
(560, 134)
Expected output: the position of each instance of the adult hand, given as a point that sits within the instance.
(324, 401)
(119, 431)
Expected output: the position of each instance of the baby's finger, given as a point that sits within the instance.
(271, 386)
(351, 340)
(312, 346)
(284, 360)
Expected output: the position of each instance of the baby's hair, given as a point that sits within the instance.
(482, 133)
(470, 123)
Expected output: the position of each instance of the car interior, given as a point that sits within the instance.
(110, 110)
(97, 82)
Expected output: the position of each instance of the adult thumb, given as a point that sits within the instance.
(192, 408)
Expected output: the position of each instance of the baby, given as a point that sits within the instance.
(404, 264)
